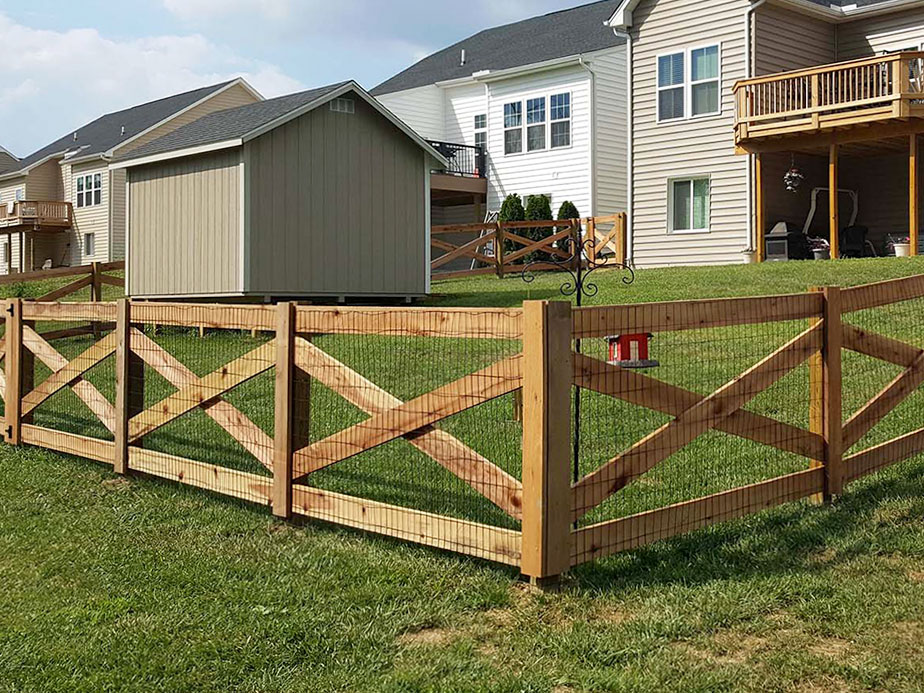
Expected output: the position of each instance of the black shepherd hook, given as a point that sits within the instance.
(581, 264)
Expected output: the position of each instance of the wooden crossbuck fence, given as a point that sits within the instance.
(399, 421)
(93, 276)
(504, 247)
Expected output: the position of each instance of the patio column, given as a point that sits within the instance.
(760, 209)
(835, 231)
(914, 191)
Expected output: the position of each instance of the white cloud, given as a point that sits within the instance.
(54, 81)
(209, 9)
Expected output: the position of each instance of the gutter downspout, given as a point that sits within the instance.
(748, 73)
(593, 135)
(630, 149)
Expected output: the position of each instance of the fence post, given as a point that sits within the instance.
(592, 236)
(123, 383)
(547, 377)
(285, 367)
(826, 384)
(13, 395)
(499, 248)
(96, 288)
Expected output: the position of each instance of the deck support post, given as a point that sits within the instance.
(760, 209)
(835, 221)
(547, 376)
(914, 192)
(283, 439)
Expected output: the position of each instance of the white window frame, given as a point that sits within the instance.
(89, 239)
(670, 203)
(514, 127)
(91, 177)
(687, 84)
(343, 105)
(524, 125)
(20, 194)
(483, 130)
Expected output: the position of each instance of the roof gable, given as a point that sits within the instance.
(539, 39)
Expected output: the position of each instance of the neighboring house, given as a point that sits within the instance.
(545, 101)
(322, 193)
(7, 161)
(715, 126)
(64, 205)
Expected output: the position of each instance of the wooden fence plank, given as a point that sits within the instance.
(492, 382)
(882, 293)
(879, 347)
(482, 475)
(283, 441)
(457, 323)
(881, 456)
(207, 316)
(68, 289)
(69, 312)
(123, 384)
(69, 443)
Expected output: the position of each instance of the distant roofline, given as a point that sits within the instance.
(622, 17)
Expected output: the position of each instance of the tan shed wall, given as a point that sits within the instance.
(703, 146)
(337, 206)
(230, 98)
(889, 32)
(184, 227)
(786, 40)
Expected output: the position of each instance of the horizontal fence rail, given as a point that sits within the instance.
(505, 247)
(830, 95)
(452, 428)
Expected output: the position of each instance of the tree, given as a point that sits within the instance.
(538, 208)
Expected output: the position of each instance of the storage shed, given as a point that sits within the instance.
(321, 194)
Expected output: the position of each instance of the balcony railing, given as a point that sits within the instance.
(36, 213)
(464, 159)
(842, 94)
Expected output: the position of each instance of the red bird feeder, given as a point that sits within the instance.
(631, 351)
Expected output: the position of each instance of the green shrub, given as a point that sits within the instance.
(568, 211)
(538, 208)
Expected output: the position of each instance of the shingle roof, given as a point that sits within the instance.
(229, 124)
(105, 132)
(847, 3)
(555, 35)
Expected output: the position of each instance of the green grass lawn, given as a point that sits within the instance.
(114, 584)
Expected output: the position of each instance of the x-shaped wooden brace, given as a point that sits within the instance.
(722, 410)
(454, 252)
(243, 430)
(69, 373)
(493, 483)
(200, 392)
(892, 351)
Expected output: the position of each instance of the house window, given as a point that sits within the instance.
(688, 83)
(513, 128)
(535, 124)
(560, 112)
(481, 131)
(89, 244)
(342, 105)
(5, 253)
(689, 204)
(90, 190)
(20, 194)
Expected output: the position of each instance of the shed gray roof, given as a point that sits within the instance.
(105, 132)
(230, 124)
(847, 3)
(555, 35)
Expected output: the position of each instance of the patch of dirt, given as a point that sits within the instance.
(428, 637)
(832, 648)
(826, 557)
(117, 484)
(916, 576)
(610, 614)
(730, 648)
(825, 685)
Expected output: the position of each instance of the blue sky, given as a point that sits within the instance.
(68, 62)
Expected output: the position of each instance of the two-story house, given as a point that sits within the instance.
(64, 205)
(535, 107)
(730, 96)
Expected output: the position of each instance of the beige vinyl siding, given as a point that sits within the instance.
(421, 108)
(232, 97)
(117, 215)
(687, 148)
(786, 40)
(889, 32)
(184, 226)
(337, 206)
(611, 134)
(45, 182)
(93, 219)
(9, 187)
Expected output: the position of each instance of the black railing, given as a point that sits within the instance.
(464, 159)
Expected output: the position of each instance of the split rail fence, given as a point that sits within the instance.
(400, 421)
(504, 247)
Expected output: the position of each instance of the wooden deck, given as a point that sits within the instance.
(853, 101)
(31, 215)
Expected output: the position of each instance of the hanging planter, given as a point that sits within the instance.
(793, 178)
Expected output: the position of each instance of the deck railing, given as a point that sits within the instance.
(39, 212)
(464, 159)
(829, 95)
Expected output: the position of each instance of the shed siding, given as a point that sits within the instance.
(611, 134)
(888, 32)
(420, 108)
(184, 227)
(230, 98)
(786, 40)
(337, 206)
(689, 147)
